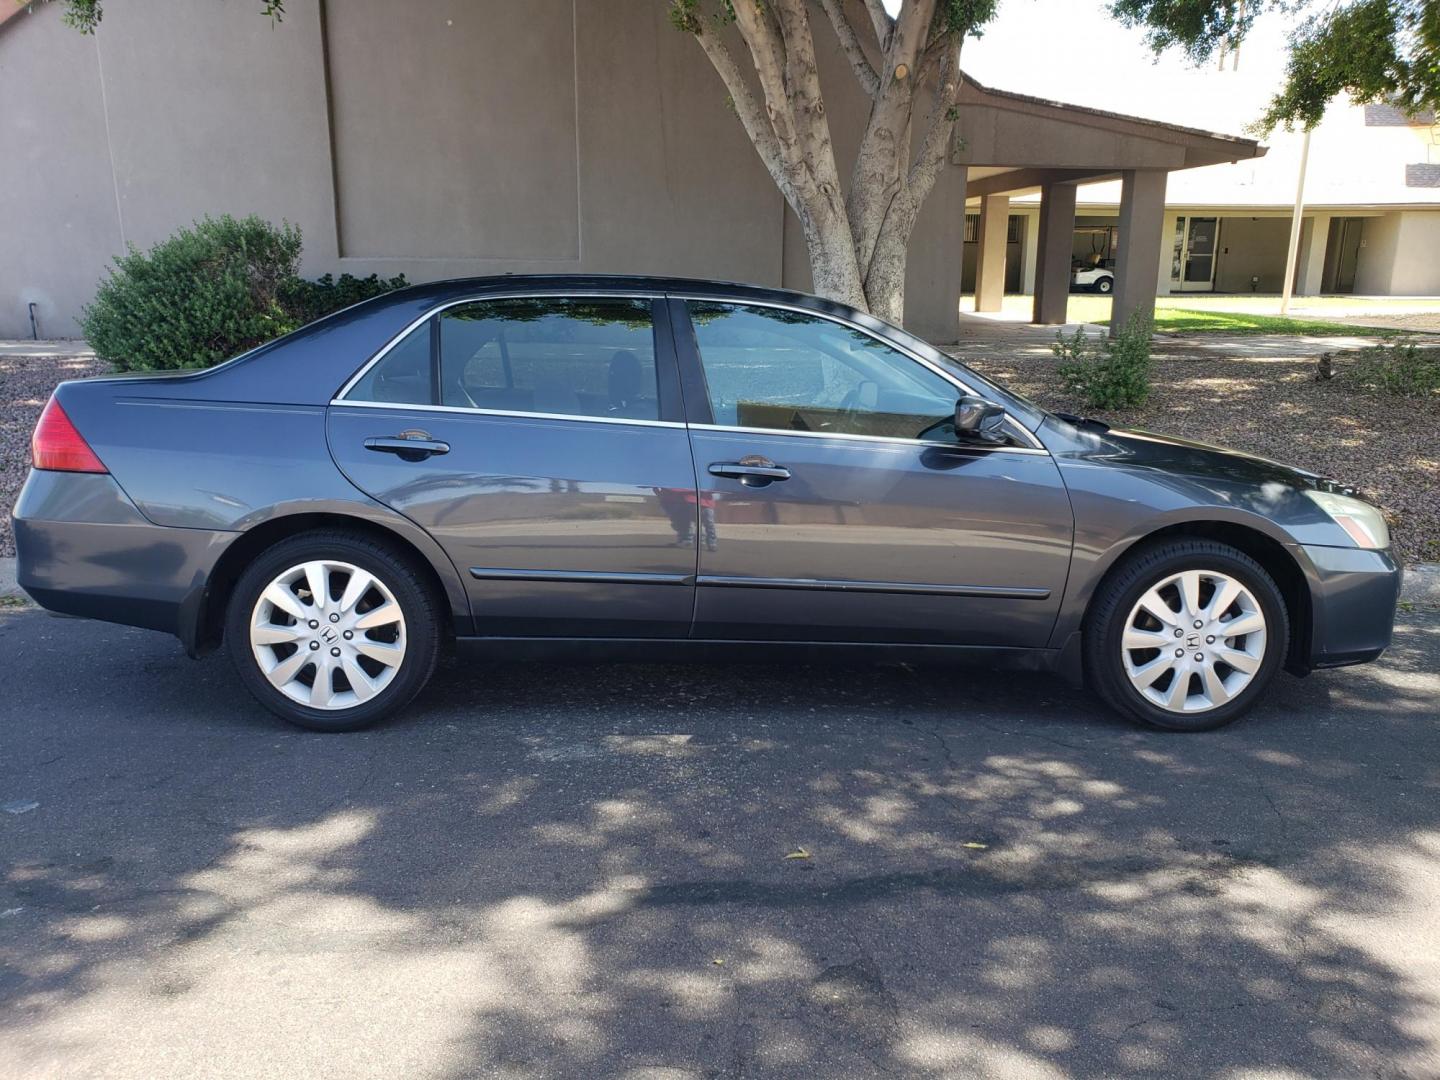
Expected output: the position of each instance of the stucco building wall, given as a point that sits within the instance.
(462, 139)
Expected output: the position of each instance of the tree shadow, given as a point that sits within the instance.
(556, 870)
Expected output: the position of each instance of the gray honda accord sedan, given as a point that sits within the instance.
(664, 468)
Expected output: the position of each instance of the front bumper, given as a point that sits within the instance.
(1353, 595)
(83, 548)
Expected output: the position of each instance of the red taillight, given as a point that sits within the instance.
(57, 445)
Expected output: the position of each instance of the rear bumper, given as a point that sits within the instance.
(1353, 597)
(83, 548)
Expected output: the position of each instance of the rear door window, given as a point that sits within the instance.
(561, 356)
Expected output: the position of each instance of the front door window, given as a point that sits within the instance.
(778, 369)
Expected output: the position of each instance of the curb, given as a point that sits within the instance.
(1422, 582)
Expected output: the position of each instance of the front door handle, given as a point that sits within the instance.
(407, 449)
(753, 470)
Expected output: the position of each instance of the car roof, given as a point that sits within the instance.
(459, 288)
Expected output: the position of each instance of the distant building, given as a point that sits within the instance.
(1371, 224)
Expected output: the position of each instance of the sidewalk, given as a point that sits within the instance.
(45, 348)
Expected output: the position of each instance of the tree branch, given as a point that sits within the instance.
(881, 21)
(767, 50)
(940, 124)
(850, 42)
(752, 116)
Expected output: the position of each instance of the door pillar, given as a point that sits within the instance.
(1054, 251)
(990, 257)
(1142, 234)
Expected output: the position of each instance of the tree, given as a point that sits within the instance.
(857, 234)
(1373, 50)
(908, 65)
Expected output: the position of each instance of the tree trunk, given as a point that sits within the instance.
(857, 245)
(833, 268)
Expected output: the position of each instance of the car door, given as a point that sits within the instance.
(540, 440)
(836, 502)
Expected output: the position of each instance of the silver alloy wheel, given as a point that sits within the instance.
(328, 634)
(1193, 641)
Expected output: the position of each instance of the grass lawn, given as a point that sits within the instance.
(1222, 315)
(1312, 316)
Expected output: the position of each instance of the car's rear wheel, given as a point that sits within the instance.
(333, 631)
(1186, 635)
(1105, 285)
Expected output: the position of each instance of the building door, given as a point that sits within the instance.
(1192, 262)
(1348, 257)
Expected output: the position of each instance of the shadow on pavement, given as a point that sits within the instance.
(597, 871)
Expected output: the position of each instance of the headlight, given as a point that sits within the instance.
(1362, 522)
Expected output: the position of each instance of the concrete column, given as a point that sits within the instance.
(1142, 233)
(990, 252)
(1054, 251)
(1030, 247)
(1312, 256)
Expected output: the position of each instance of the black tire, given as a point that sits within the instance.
(418, 604)
(1122, 590)
(1105, 285)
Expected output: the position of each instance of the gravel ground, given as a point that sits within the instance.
(1268, 402)
(25, 386)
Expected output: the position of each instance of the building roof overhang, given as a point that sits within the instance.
(1014, 143)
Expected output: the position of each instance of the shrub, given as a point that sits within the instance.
(1113, 374)
(204, 294)
(1400, 367)
(210, 292)
(310, 300)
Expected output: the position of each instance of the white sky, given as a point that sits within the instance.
(1073, 51)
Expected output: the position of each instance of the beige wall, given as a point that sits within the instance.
(469, 137)
(1250, 247)
(1375, 267)
(1417, 255)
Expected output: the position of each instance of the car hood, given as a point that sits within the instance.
(1088, 440)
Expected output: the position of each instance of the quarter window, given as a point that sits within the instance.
(786, 370)
(402, 376)
(573, 357)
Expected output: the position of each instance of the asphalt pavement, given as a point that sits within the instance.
(641, 871)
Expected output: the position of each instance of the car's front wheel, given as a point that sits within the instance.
(332, 631)
(1186, 635)
(1105, 285)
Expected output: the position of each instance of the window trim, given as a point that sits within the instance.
(1013, 427)
(339, 397)
(1032, 444)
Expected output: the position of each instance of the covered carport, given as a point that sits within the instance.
(1013, 145)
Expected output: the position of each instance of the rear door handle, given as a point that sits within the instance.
(751, 471)
(407, 449)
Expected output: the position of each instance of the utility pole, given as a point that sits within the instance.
(1293, 255)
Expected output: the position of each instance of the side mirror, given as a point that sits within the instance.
(978, 420)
